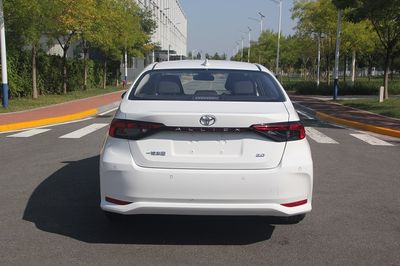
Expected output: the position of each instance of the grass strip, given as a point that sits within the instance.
(390, 107)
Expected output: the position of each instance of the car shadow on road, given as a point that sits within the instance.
(67, 203)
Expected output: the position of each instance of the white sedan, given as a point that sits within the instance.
(206, 138)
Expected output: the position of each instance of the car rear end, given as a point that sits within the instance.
(220, 139)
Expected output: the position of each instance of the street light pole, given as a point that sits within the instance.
(125, 68)
(337, 53)
(261, 22)
(319, 59)
(4, 77)
(279, 2)
(248, 54)
(241, 56)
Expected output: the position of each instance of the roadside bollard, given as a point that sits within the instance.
(381, 89)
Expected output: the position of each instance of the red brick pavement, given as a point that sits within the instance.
(57, 110)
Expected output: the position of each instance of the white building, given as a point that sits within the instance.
(171, 32)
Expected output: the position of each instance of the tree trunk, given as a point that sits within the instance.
(386, 75)
(353, 68)
(328, 66)
(105, 73)
(85, 67)
(65, 73)
(319, 60)
(34, 77)
(391, 64)
(344, 67)
(369, 68)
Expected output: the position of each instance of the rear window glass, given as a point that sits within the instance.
(207, 85)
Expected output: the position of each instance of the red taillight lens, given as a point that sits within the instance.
(134, 130)
(295, 204)
(282, 131)
(116, 201)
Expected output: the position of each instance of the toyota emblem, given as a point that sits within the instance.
(207, 120)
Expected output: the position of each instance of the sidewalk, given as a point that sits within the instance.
(348, 116)
(58, 113)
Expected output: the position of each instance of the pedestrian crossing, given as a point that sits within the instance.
(319, 137)
(77, 134)
(371, 140)
(312, 134)
(83, 131)
(29, 133)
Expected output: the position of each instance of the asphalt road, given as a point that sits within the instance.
(50, 215)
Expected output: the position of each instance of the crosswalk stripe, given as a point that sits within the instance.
(83, 131)
(29, 133)
(371, 140)
(319, 137)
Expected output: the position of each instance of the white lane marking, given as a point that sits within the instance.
(29, 133)
(107, 112)
(319, 137)
(306, 115)
(46, 126)
(371, 140)
(83, 131)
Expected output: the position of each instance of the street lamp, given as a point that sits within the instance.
(260, 20)
(248, 52)
(279, 2)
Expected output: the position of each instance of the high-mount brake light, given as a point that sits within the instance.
(281, 132)
(133, 130)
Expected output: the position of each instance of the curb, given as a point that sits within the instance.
(358, 125)
(58, 119)
(47, 121)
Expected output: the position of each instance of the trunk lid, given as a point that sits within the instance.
(229, 148)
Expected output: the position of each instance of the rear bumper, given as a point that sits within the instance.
(205, 192)
(186, 208)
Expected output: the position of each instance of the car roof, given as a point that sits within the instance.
(207, 64)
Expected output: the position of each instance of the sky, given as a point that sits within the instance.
(216, 25)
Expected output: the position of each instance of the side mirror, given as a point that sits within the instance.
(123, 94)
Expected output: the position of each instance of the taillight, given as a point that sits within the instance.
(281, 132)
(133, 130)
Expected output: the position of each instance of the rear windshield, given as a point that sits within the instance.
(207, 85)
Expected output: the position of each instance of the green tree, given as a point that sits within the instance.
(317, 19)
(384, 16)
(358, 38)
(26, 25)
(120, 25)
(66, 21)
